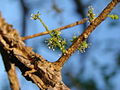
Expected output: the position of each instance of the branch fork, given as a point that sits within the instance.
(46, 75)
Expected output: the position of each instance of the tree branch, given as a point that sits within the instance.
(10, 69)
(87, 32)
(34, 67)
(44, 74)
(58, 29)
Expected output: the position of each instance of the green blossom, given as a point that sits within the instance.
(91, 14)
(56, 41)
(83, 46)
(113, 16)
(35, 16)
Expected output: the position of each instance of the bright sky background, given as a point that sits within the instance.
(11, 11)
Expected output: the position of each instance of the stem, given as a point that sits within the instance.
(45, 26)
(57, 29)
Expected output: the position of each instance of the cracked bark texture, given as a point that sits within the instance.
(34, 67)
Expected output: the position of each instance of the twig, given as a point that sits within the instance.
(86, 33)
(58, 29)
(46, 76)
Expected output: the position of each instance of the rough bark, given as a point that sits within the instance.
(34, 67)
(43, 73)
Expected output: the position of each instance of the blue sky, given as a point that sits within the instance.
(11, 11)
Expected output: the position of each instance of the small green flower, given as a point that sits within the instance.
(74, 38)
(56, 41)
(35, 16)
(83, 46)
(91, 14)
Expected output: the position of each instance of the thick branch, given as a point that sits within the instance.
(58, 29)
(87, 32)
(44, 74)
